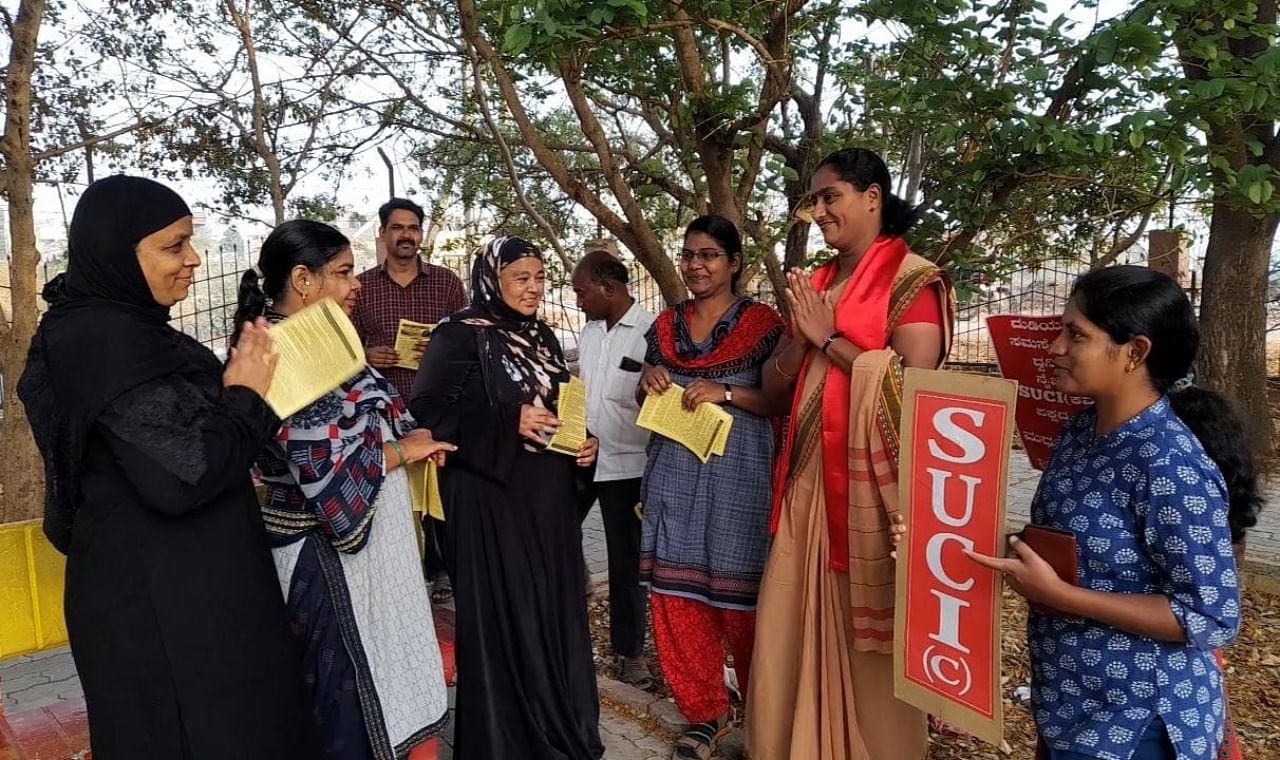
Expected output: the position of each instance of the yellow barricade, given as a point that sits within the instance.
(31, 583)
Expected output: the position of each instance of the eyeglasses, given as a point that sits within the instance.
(704, 255)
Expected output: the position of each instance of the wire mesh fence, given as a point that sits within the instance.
(1042, 288)
(208, 311)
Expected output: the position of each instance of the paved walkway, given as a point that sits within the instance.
(38, 680)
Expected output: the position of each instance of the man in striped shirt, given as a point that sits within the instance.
(405, 286)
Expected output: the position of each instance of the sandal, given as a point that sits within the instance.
(635, 671)
(441, 590)
(698, 742)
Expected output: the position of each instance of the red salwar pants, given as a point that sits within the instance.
(691, 636)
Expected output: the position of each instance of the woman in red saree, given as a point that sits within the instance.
(822, 684)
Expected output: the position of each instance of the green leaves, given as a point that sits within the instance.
(547, 29)
(1261, 192)
(517, 38)
(1256, 183)
(1105, 47)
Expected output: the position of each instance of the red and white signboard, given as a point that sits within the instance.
(956, 432)
(1022, 351)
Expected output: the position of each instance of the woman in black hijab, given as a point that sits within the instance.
(489, 382)
(176, 620)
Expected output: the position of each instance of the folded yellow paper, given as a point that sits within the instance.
(424, 489)
(704, 431)
(319, 351)
(572, 412)
(408, 335)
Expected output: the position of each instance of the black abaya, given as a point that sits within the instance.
(526, 683)
(175, 616)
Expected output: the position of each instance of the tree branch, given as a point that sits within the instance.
(265, 150)
(634, 231)
(483, 101)
(780, 67)
(92, 141)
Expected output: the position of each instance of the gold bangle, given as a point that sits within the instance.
(777, 364)
(399, 451)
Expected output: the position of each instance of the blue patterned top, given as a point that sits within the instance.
(1149, 511)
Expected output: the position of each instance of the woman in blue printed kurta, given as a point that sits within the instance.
(1151, 481)
(339, 515)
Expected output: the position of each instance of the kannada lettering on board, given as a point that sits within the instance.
(956, 433)
(1022, 351)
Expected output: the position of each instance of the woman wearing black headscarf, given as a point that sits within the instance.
(489, 382)
(176, 620)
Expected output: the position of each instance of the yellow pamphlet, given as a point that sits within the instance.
(319, 350)
(704, 431)
(408, 335)
(572, 408)
(424, 489)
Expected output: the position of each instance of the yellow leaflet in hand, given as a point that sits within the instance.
(319, 351)
(408, 335)
(572, 413)
(704, 431)
(424, 489)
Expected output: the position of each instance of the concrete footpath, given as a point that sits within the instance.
(42, 695)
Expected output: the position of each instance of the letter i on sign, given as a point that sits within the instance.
(952, 482)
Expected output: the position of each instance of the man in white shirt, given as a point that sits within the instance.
(611, 355)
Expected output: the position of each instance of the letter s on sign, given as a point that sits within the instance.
(971, 446)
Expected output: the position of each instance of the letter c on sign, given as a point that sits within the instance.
(963, 676)
(933, 556)
(971, 445)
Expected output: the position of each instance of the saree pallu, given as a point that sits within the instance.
(822, 685)
(858, 538)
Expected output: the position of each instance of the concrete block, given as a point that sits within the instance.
(625, 694)
(668, 716)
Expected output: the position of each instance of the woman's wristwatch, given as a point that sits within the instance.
(832, 338)
(728, 393)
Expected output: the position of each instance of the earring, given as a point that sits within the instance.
(1133, 365)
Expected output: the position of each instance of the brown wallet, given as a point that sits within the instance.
(1058, 548)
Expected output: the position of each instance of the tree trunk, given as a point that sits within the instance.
(1233, 316)
(21, 474)
(797, 245)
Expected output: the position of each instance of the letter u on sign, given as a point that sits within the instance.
(953, 471)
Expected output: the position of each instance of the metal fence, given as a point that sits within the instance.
(206, 314)
(1041, 289)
